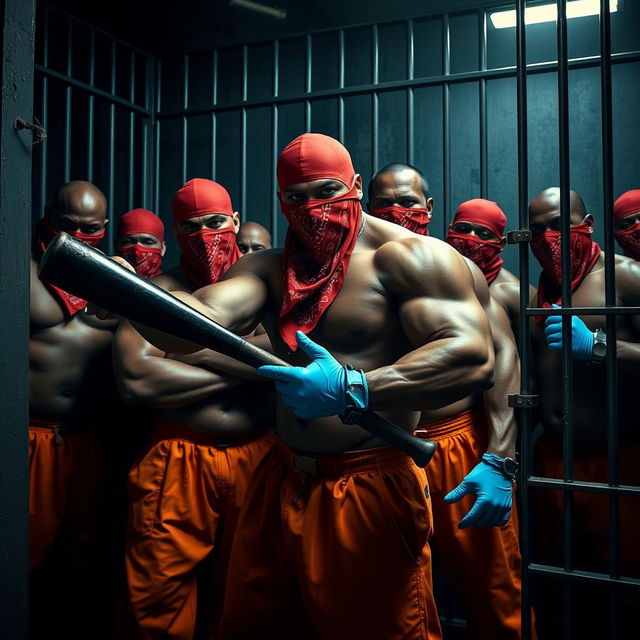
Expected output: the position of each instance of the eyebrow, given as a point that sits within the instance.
(320, 186)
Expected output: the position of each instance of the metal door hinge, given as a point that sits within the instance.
(521, 401)
(518, 236)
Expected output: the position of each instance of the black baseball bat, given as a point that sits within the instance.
(86, 272)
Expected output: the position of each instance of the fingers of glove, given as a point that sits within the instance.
(283, 374)
(313, 350)
(474, 515)
(458, 493)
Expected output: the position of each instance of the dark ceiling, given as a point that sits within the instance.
(193, 25)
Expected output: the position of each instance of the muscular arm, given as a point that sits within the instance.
(628, 285)
(442, 318)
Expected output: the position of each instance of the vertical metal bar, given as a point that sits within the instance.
(308, 81)
(524, 338)
(245, 72)
(214, 121)
(158, 124)
(375, 71)
(243, 164)
(68, 97)
(484, 162)
(274, 141)
(91, 105)
(341, 85)
(45, 112)
(610, 300)
(446, 141)
(567, 357)
(132, 129)
(184, 130)
(148, 126)
(410, 97)
(111, 192)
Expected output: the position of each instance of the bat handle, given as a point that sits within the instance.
(419, 450)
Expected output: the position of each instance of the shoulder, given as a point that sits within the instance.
(628, 280)
(423, 265)
(44, 311)
(172, 280)
(263, 264)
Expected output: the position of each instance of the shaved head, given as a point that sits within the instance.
(78, 205)
(253, 237)
(401, 172)
(544, 210)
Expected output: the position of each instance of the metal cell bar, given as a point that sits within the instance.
(584, 311)
(308, 76)
(156, 131)
(275, 204)
(455, 78)
(243, 165)
(109, 97)
(567, 355)
(214, 122)
(341, 85)
(112, 149)
(583, 576)
(45, 112)
(148, 126)
(482, 86)
(523, 329)
(584, 486)
(67, 99)
(446, 141)
(91, 105)
(184, 132)
(132, 130)
(245, 73)
(375, 111)
(410, 96)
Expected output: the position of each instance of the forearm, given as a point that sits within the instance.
(503, 428)
(628, 355)
(436, 375)
(161, 383)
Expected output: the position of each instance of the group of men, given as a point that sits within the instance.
(261, 510)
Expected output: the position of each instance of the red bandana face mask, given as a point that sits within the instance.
(414, 219)
(207, 254)
(485, 253)
(45, 232)
(317, 250)
(546, 248)
(629, 241)
(145, 260)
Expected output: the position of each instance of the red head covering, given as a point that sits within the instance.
(628, 202)
(485, 253)
(140, 221)
(144, 259)
(207, 253)
(629, 238)
(321, 234)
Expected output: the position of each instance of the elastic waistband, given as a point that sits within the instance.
(35, 424)
(452, 426)
(341, 464)
(165, 430)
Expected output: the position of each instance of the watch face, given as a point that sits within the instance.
(599, 350)
(510, 466)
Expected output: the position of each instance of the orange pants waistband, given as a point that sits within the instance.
(454, 425)
(43, 425)
(341, 464)
(165, 430)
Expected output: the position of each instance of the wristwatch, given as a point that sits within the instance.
(508, 466)
(599, 350)
(357, 395)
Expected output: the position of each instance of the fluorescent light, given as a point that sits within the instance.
(549, 13)
(274, 12)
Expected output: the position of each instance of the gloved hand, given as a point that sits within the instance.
(314, 391)
(581, 336)
(493, 491)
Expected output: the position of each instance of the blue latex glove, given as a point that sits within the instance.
(493, 491)
(314, 391)
(581, 336)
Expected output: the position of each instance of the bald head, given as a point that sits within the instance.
(253, 237)
(78, 206)
(544, 211)
(400, 174)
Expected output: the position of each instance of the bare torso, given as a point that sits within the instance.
(589, 389)
(505, 290)
(70, 370)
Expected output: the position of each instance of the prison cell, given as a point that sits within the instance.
(436, 91)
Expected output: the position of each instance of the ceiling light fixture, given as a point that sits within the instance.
(274, 12)
(549, 13)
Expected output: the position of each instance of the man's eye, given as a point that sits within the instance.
(242, 247)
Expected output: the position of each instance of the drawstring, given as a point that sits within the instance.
(57, 437)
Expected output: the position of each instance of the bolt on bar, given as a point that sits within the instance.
(523, 329)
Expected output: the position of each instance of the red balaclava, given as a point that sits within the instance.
(414, 219)
(547, 250)
(485, 253)
(207, 254)
(45, 232)
(145, 260)
(628, 239)
(321, 234)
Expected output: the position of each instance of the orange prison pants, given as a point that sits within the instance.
(185, 495)
(482, 564)
(65, 474)
(333, 547)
